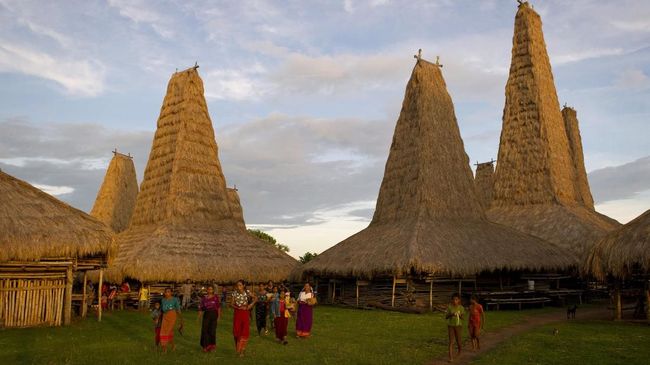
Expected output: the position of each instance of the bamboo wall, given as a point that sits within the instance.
(29, 299)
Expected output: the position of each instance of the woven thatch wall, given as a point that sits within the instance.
(484, 183)
(428, 219)
(235, 208)
(536, 188)
(186, 225)
(570, 118)
(116, 197)
(623, 250)
(535, 165)
(35, 225)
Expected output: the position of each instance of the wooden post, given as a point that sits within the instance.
(83, 298)
(431, 296)
(357, 292)
(500, 281)
(617, 298)
(460, 286)
(392, 302)
(67, 301)
(99, 294)
(647, 302)
(333, 291)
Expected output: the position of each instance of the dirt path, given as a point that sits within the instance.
(490, 340)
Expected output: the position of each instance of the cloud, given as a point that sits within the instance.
(54, 190)
(632, 79)
(140, 12)
(620, 182)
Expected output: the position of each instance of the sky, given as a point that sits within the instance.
(304, 95)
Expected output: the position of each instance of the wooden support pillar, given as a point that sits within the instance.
(617, 303)
(500, 281)
(460, 287)
(84, 304)
(647, 301)
(431, 295)
(392, 301)
(333, 291)
(99, 294)
(67, 297)
(357, 293)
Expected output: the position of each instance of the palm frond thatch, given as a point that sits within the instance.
(623, 250)
(428, 219)
(186, 225)
(116, 197)
(35, 225)
(484, 183)
(236, 208)
(570, 117)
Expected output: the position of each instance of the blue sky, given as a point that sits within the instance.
(304, 95)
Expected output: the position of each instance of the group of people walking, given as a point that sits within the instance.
(268, 301)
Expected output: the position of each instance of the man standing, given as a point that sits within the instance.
(186, 292)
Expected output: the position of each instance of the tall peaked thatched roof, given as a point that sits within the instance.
(427, 217)
(623, 250)
(35, 225)
(235, 207)
(116, 197)
(184, 225)
(537, 188)
(484, 183)
(570, 117)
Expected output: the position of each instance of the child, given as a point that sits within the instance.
(454, 317)
(476, 319)
(156, 316)
(280, 313)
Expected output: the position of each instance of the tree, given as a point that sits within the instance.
(268, 238)
(308, 256)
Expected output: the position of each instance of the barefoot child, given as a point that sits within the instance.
(476, 319)
(156, 317)
(454, 316)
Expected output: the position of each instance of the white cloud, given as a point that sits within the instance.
(633, 79)
(54, 190)
(585, 54)
(78, 77)
(140, 12)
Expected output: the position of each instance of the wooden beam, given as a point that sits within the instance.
(431, 295)
(617, 298)
(67, 298)
(392, 302)
(99, 294)
(460, 286)
(357, 293)
(84, 307)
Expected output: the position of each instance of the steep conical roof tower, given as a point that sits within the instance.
(427, 217)
(575, 147)
(484, 183)
(184, 225)
(235, 207)
(116, 197)
(535, 187)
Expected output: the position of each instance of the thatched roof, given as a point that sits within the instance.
(116, 197)
(184, 224)
(35, 225)
(484, 183)
(623, 250)
(235, 207)
(570, 117)
(427, 218)
(537, 188)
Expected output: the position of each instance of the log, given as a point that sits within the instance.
(410, 310)
(67, 308)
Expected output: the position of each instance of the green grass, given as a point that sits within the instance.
(577, 342)
(340, 336)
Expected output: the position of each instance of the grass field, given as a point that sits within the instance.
(340, 336)
(577, 342)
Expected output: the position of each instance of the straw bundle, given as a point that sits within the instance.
(623, 251)
(116, 197)
(35, 225)
(186, 225)
(537, 187)
(484, 183)
(575, 146)
(428, 219)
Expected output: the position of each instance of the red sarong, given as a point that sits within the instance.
(241, 328)
(167, 327)
(281, 324)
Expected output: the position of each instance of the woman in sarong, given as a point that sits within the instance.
(260, 310)
(305, 314)
(171, 308)
(209, 312)
(242, 301)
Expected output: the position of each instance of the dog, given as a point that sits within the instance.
(571, 312)
(556, 331)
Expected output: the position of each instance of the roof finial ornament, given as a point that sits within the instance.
(522, 3)
(115, 151)
(438, 62)
(196, 65)
(419, 55)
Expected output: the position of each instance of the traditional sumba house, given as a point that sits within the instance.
(43, 242)
(540, 183)
(186, 225)
(484, 183)
(116, 197)
(623, 258)
(428, 233)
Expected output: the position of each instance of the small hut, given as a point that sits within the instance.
(484, 183)
(43, 242)
(623, 257)
(540, 186)
(116, 197)
(186, 224)
(429, 234)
